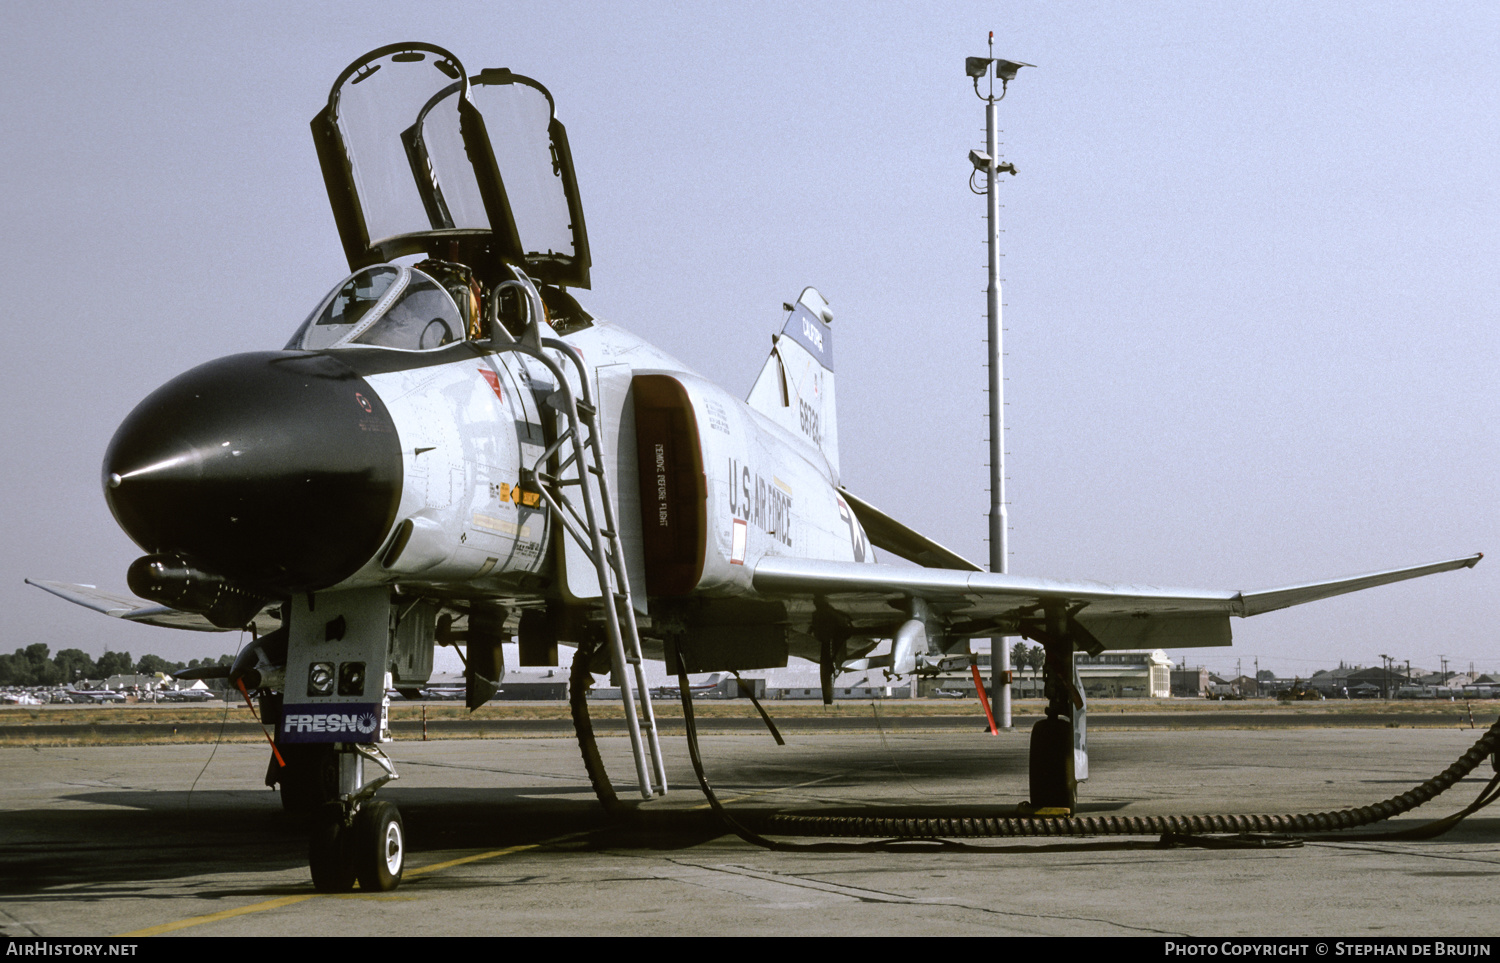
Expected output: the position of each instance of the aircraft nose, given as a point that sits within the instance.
(279, 470)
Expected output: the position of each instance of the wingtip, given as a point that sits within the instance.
(1475, 560)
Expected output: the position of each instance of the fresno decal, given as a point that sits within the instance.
(343, 722)
(765, 504)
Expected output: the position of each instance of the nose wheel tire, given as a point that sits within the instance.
(377, 843)
(328, 853)
(372, 851)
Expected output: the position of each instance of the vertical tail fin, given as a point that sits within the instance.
(795, 388)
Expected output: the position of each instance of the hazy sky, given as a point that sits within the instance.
(1251, 266)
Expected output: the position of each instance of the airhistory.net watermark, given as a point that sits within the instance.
(67, 948)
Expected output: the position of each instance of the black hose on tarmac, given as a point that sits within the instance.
(867, 826)
(1173, 828)
(579, 681)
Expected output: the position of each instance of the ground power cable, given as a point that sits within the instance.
(1178, 830)
(1174, 828)
(580, 679)
(1431, 830)
(885, 744)
(223, 723)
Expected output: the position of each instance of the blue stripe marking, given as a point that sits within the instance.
(808, 330)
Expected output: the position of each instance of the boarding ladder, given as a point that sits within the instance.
(578, 446)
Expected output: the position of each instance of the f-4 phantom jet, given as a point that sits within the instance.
(451, 448)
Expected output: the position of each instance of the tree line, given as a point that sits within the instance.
(36, 666)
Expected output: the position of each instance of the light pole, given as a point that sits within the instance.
(985, 163)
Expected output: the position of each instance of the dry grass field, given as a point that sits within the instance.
(147, 723)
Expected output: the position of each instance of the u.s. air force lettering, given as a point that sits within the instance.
(766, 505)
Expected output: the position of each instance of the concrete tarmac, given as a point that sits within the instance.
(505, 838)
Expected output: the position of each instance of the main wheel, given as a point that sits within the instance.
(328, 854)
(377, 842)
(1053, 785)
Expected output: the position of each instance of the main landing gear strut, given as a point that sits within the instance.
(1054, 777)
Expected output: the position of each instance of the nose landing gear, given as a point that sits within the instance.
(358, 838)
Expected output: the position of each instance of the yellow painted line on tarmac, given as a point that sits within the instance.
(271, 904)
(279, 902)
(493, 854)
(222, 915)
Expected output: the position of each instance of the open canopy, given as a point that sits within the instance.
(421, 158)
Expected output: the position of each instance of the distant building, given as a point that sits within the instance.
(1245, 686)
(1126, 675)
(523, 689)
(1189, 683)
(1388, 680)
(1109, 675)
(847, 692)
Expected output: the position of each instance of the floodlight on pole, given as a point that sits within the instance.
(1006, 69)
(984, 162)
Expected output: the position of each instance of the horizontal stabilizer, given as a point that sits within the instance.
(119, 605)
(892, 536)
(1270, 600)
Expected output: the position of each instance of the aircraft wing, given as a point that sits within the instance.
(1116, 616)
(121, 606)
